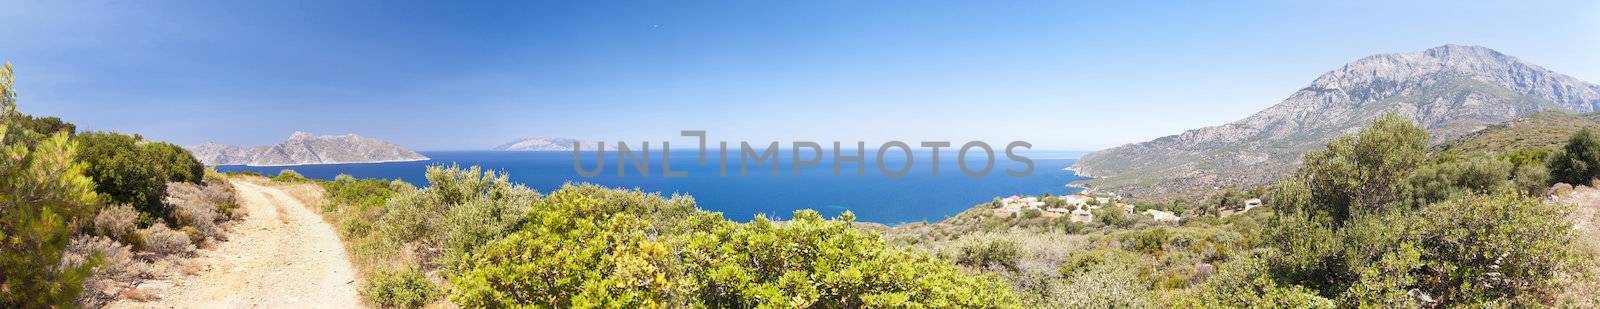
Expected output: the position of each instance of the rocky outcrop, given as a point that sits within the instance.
(306, 148)
(1450, 90)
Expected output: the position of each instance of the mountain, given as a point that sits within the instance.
(1450, 90)
(1539, 130)
(545, 144)
(306, 148)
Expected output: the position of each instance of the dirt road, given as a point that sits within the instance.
(281, 256)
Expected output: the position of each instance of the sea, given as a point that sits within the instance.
(918, 196)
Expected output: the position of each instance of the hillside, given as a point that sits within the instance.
(306, 148)
(1451, 90)
(1540, 130)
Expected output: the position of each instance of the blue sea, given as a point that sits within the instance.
(873, 197)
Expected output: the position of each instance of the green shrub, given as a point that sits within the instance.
(1082, 261)
(1365, 171)
(288, 175)
(45, 194)
(361, 194)
(1476, 174)
(1578, 162)
(1339, 229)
(1532, 179)
(1487, 248)
(586, 246)
(128, 169)
(1106, 286)
(990, 252)
(1150, 241)
(400, 289)
(1248, 283)
(1530, 156)
(1113, 215)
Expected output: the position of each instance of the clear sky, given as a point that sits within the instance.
(446, 76)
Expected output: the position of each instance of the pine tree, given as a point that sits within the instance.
(43, 194)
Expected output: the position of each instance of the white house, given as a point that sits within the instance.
(1082, 216)
(1162, 216)
(1075, 200)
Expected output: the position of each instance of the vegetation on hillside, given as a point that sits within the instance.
(1544, 130)
(130, 170)
(1579, 162)
(1345, 227)
(43, 195)
(1374, 220)
(497, 244)
(83, 216)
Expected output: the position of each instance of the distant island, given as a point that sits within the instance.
(545, 144)
(305, 148)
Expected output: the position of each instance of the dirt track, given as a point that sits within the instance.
(281, 256)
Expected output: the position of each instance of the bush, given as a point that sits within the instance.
(586, 246)
(1031, 213)
(998, 253)
(1248, 283)
(45, 195)
(161, 240)
(463, 209)
(1461, 243)
(1441, 181)
(1106, 286)
(1531, 179)
(1578, 162)
(117, 268)
(1150, 241)
(128, 169)
(1488, 248)
(118, 222)
(1365, 171)
(1082, 261)
(288, 175)
(201, 207)
(400, 289)
(1113, 215)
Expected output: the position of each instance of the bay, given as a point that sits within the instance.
(920, 195)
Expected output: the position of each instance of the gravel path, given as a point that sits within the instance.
(281, 256)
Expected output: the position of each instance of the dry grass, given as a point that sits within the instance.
(309, 194)
(118, 222)
(161, 240)
(119, 269)
(131, 256)
(138, 295)
(1581, 288)
(204, 208)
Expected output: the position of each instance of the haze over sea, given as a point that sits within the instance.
(873, 197)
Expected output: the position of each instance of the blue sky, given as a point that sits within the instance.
(445, 76)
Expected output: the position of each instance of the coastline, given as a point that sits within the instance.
(328, 163)
(1082, 183)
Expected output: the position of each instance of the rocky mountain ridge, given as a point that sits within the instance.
(306, 148)
(1450, 90)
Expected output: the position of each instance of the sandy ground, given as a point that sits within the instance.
(1585, 211)
(281, 256)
